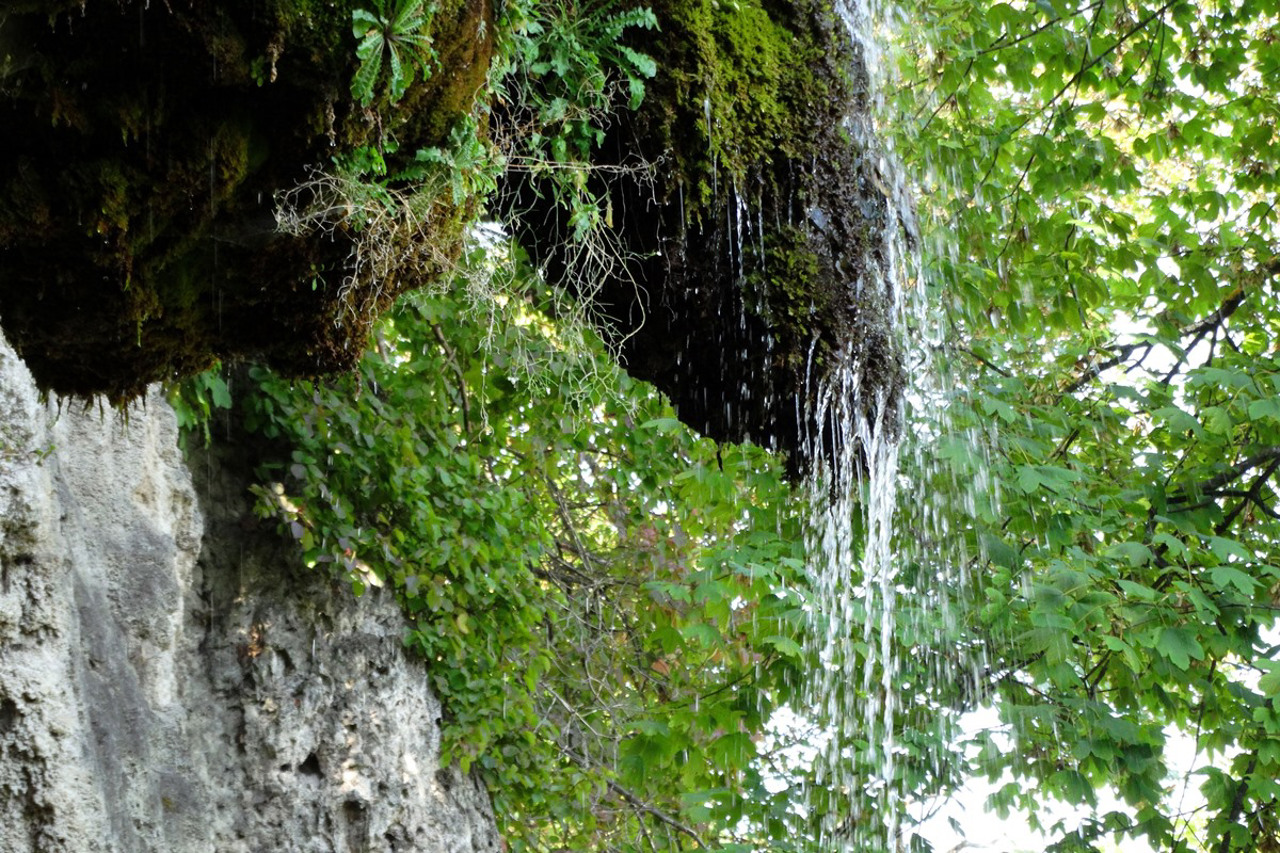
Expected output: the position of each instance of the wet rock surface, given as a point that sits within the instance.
(167, 683)
(151, 146)
(754, 227)
(146, 144)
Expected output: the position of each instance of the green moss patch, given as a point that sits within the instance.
(755, 244)
(145, 148)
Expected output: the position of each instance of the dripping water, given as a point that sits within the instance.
(849, 542)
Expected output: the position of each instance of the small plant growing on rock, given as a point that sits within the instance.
(397, 31)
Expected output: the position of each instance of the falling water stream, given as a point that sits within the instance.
(850, 540)
(859, 539)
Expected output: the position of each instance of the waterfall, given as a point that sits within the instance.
(872, 514)
(852, 572)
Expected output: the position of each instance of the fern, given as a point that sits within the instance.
(395, 36)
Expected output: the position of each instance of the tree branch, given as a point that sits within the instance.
(1235, 472)
(1196, 331)
(1094, 371)
(1253, 496)
(1228, 307)
(1079, 75)
(1237, 802)
(640, 805)
(457, 371)
(1001, 43)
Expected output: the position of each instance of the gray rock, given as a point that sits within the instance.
(169, 682)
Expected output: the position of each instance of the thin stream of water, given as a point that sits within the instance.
(850, 536)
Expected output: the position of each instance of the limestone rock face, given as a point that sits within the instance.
(167, 683)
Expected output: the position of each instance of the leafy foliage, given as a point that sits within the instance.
(195, 401)
(557, 69)
(562, 66)
(615, 609)
(558, 77)
(1109, 174)
(612, 608)
(393, 36)
(609, 604)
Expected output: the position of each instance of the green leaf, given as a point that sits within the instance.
(1265, 409)
(367, 75)
(701, 634)
(1180, 646)
(1269, 683)
(1178, 421)
(785, 646)
(1227, 576)
(406, 16)
(1217, 420)
(219, 392)
(661, 425)
(398, 79)
(1137, 590)
(1134, 553)
(1228, 549)
(363, 23)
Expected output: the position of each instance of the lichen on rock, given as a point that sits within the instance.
(172, 681)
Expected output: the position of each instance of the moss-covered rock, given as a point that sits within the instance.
(757, 244)
(145, 144)
(152, 147)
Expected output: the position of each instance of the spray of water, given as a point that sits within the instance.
(852, 693)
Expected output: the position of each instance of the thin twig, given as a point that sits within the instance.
(640, 805)
(1235, 472)
(457, 371)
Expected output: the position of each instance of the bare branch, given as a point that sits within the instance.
(1196, 331)
(1095, 370)
(641, 806)
(1254, 496)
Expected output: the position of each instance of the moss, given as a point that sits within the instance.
(750, 246)
(784, 285)
(146, 145)
(741, 84)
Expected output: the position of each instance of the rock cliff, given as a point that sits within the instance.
(167, 682)
(184, 183)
